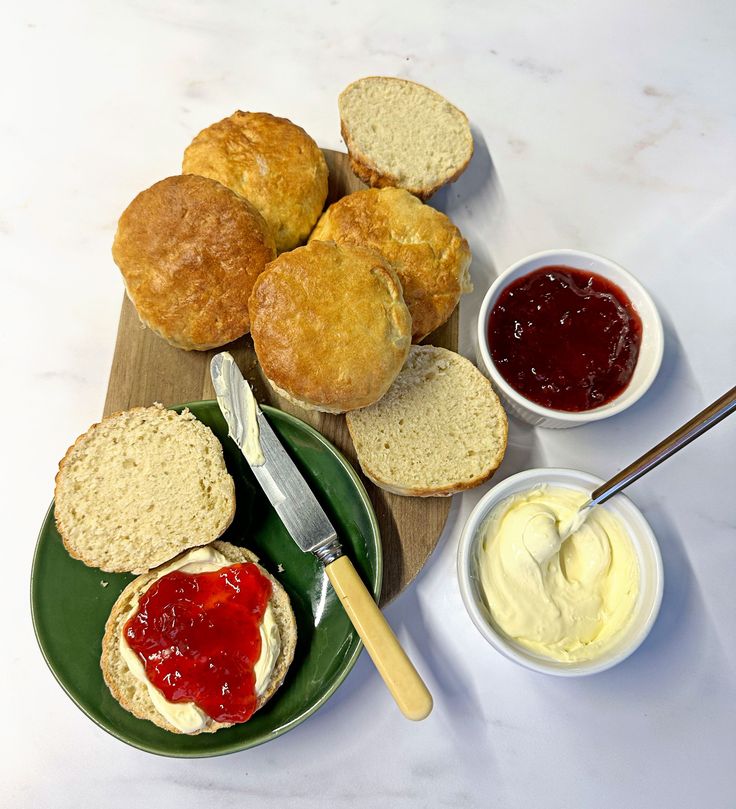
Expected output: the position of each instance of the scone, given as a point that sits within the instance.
(140, 487)
(269, 161)
(189, 250)
(126, 675)
(427, 251)
(400, 133)
(440, 429)
(330, 327)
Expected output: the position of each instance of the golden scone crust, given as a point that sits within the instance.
(428, 252)
(269, 161)
(330, 326)
(364, 170)
(190, 250)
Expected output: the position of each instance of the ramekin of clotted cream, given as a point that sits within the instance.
(568, 608)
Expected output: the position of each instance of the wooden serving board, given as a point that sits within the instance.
(146, 369)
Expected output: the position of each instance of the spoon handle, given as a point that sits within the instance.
(681, 437)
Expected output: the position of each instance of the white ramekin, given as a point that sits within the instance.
(647, 552)
(650, 355)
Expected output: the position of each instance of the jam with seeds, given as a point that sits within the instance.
(566, 339)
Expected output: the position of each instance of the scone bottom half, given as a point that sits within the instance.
(133, 694)
(440, 429)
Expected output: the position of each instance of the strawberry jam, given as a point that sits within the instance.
(566, 339)
(197, 635)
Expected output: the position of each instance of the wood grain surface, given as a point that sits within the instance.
(146, 369)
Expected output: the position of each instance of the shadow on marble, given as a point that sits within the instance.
(475, 198)
(673, 398)
(483, 273)
(480, 179)
(450, 688)
(675, 375)
(681, 602)
(523, 451)
(680, 634)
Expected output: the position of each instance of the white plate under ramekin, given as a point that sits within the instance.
(651, 574)
(650, 354)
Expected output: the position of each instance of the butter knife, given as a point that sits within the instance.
(310, 528)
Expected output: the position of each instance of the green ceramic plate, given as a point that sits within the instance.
(70, 602)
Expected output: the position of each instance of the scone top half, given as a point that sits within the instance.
(269, 161)
(400, 133)
(428, 252)
(330, 327)
(140, 487)
(189, 250)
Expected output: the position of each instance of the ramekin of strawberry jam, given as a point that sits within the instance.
(569, 337)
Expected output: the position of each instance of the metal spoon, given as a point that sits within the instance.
(676, 441)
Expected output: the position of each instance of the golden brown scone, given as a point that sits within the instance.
(133, 695)
(269, 161)
(330, 326)
(427, 251)
(190, 250)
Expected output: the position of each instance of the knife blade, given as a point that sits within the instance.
(311, 529)
(283, 484)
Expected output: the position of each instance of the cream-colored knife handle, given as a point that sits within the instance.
(405, 685)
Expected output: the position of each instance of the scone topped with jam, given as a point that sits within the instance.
(201, 643)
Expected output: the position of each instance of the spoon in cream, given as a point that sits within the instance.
(699, 424)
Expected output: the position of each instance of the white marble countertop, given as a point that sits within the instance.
(604, 126)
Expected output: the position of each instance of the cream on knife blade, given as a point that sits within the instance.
(234, 393)
(569, 600)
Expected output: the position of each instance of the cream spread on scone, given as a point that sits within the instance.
(187, 716)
